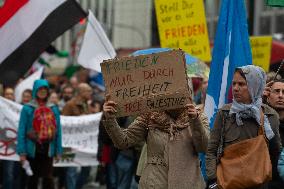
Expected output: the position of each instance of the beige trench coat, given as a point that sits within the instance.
(171, 164)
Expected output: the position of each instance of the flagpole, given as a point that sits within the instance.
(282, 63)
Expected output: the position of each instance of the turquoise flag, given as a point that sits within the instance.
(231, 50)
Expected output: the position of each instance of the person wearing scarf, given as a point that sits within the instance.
(174, 138)
(243, 118)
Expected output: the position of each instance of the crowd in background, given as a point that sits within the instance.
(117, 168)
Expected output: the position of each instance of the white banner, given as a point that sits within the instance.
(80, 133)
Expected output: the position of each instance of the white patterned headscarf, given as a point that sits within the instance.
(256, 78)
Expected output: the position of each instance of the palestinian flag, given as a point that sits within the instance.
(27, 27)
(50, 53)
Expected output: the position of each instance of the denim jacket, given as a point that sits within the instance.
(281, 165)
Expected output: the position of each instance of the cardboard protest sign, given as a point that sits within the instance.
(261, 51)
(146, 83)
(182, 24)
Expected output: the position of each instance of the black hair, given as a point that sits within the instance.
(28, 91)
(240, 71)
(278, 80)
(68, 86)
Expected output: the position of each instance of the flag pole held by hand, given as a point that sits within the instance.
(278, 70)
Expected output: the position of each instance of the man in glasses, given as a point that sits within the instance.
(275, 99)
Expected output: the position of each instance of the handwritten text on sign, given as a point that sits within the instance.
(182, 24)
(147, 83)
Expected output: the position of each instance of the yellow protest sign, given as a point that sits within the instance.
(182, 24)
(261, 51)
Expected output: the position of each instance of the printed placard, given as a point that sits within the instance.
(182, 24)
(146, 83)
(261, 51)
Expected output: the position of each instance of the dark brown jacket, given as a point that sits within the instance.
(235, 133)
(75, 107)
(171, 164)
(281, 131)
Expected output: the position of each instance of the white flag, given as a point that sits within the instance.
(27, 84)
(96, 46)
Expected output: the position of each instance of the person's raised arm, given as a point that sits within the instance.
(123, 138)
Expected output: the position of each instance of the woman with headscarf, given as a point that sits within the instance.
(241, 120)
(173, 138)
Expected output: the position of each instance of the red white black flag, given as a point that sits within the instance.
(27, 27)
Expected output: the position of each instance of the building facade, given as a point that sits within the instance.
(132, 23)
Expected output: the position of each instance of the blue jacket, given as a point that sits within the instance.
(281, 165)
(26, 146)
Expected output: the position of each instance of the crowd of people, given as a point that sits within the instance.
(155, 149)
(175, 137)
(75, 96)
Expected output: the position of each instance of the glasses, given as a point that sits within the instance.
(278, 91)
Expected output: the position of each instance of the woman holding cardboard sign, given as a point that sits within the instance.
(174, 138)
